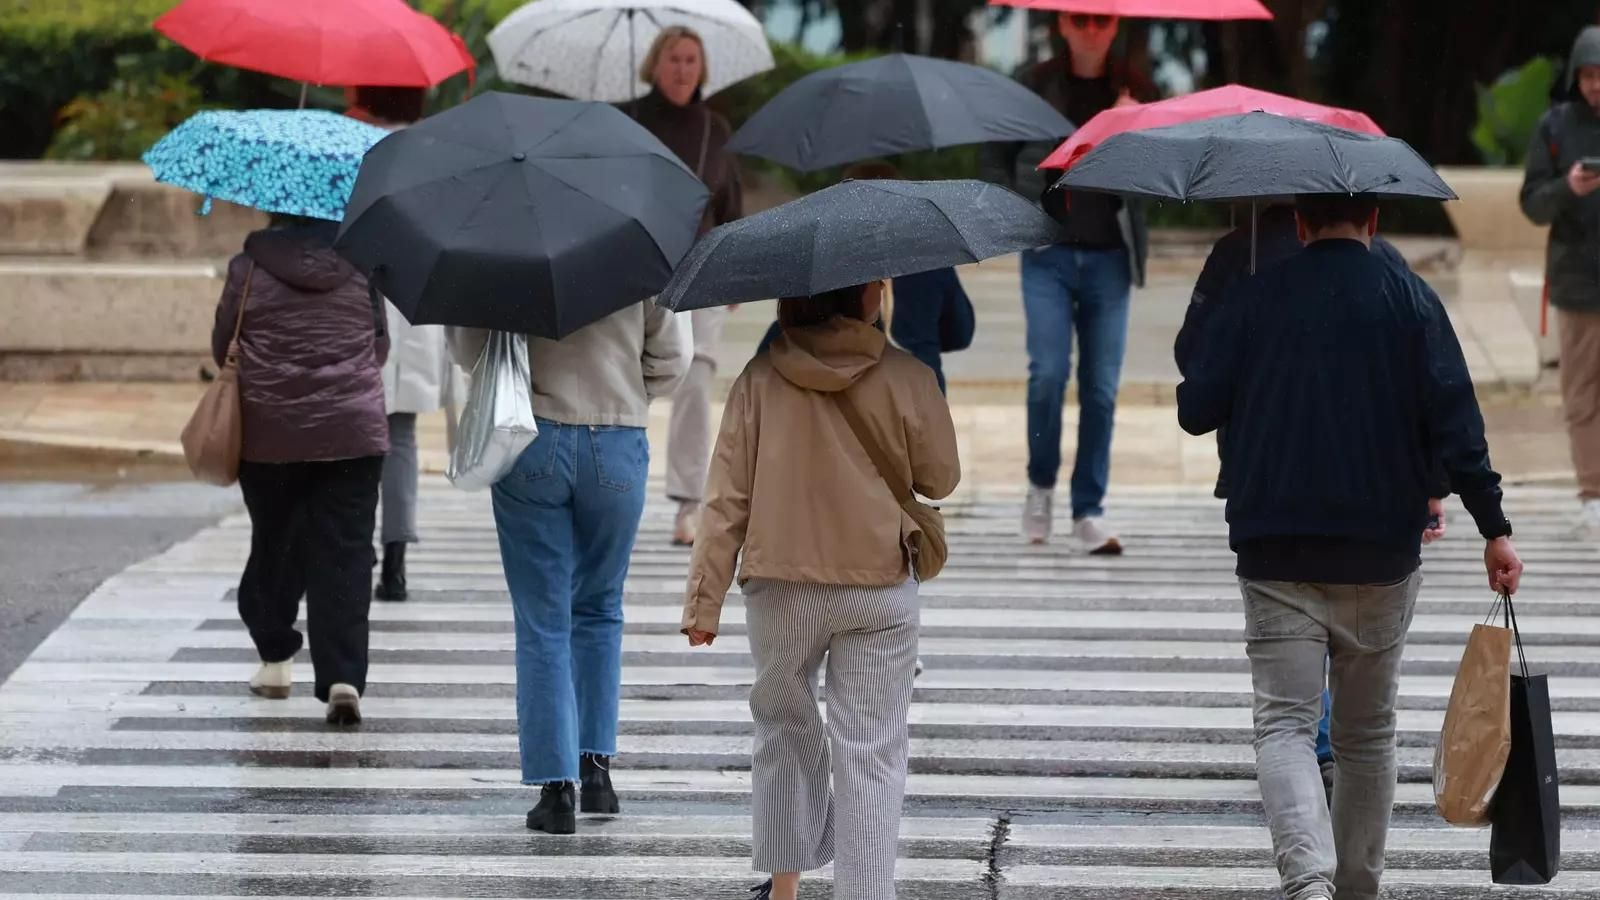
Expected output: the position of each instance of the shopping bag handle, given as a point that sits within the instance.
(1507, 609)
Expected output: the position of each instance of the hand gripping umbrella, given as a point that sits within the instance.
(893, 104)
(521, 214)
(1253, 157)
(339, 42)
(593, 49)
(1228, 100)
(854, 233)
(302, 162)
(1210, 10)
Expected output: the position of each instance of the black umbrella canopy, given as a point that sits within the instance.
(854, 233)
(894, 104)
(521, 214)
(1251, 157)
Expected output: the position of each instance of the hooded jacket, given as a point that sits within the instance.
(793, 490)
(311, 350)
(1569, 131)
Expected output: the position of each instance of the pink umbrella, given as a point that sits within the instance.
(1214, 10)
(1228, 100)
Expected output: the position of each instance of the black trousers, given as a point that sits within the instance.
(311, 535)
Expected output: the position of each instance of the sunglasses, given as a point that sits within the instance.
(1083, 21)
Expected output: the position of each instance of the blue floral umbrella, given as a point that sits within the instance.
(302, 162)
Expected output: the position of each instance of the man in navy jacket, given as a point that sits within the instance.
(1340, 382)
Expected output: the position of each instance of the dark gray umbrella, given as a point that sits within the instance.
(1253, 156)
(894, 104)
(855, 233)
(521, 214)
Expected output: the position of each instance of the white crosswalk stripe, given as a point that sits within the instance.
(1083, 730)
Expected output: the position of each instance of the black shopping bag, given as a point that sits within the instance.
(1525, 843)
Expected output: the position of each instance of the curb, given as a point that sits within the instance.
(33, 449)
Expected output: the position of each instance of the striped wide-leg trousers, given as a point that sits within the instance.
(868, 636)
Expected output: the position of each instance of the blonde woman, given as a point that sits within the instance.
(797, 501)
(674, 111)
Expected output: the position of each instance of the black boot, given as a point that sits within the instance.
(557, 812)
(762, 891)
(596, 794)
(392, 583)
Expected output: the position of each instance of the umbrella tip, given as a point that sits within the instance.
(519, 156)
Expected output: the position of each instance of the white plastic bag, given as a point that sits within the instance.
(497, 423)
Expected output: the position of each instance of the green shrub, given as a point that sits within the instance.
(59, 52)
(56, 52)
(127, 118)
(1509, 111)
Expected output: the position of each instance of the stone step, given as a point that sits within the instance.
(27, 787)
(58, 741)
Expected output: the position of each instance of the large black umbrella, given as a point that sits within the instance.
(894, 104)
(855, 233)
(1253, 156)
(521, 214)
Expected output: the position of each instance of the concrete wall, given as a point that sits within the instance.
(107, 275)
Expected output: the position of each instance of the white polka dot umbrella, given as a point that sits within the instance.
(592, 49)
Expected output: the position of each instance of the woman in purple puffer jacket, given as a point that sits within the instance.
(311, 353)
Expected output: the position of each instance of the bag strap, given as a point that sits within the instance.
(1516, 633)
(244, 300)
(880, 460)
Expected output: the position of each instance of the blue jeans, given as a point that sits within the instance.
(1067, 289)
(567, 516)
(1324, 729)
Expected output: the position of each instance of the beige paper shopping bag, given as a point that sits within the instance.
(1476, 738)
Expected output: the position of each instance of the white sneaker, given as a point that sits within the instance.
(1038, 514)
(1095, 539)
(1589, 519)
(344, 705)
(273, 680)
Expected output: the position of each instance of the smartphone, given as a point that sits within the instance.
(1590, 164)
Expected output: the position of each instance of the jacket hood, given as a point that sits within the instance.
(1585, 52)
(300, 256)
(828, 358)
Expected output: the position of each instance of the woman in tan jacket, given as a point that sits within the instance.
(826, 573)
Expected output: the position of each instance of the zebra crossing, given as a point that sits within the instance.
(1082, 730)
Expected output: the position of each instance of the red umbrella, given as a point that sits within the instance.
(1228, 100)
(1216, 10)
(383, 43)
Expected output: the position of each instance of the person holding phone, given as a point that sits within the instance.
(1561, 189)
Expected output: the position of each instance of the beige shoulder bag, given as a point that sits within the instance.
(214, 437)
(930, 550)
